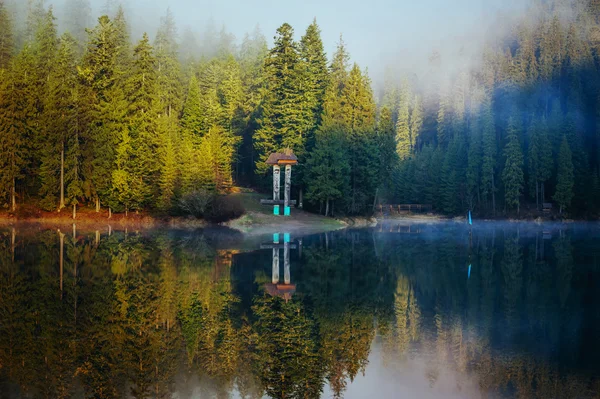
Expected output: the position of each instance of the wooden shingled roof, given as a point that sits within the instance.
(282, 158)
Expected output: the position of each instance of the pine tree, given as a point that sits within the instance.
(565, 179)
(168, 66)
(474, 165)
(17, 113)
(101, 74)
(167, 133)
(338, 78)
(317, 78)
(6, 37)
(192, 118)
(143, 104)
(512, 175)
(328, 168)
(64, 123)
(387, 144)
(416, 123)
(403, 138)
(285, 114)
(488, 169)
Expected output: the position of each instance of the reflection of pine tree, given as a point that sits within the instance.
(286, 352)
(563, 252)
(512, 268)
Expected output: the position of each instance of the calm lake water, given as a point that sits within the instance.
(421, 311)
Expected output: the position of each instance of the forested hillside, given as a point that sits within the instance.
(91, 117)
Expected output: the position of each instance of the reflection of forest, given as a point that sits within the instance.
(149, 315)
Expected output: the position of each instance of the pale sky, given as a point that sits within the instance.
(377, 32)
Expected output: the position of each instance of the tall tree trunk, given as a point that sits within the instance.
(493, 196)
(13, 239)
(300, 197)
(74, 211)
(327, 207)
(97, 204)
(61, 259)
(109, 212)
(13, 196)
(537, 196)
(62, 178)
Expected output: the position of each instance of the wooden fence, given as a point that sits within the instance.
(405, 208)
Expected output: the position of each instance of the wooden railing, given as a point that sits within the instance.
(405, 208)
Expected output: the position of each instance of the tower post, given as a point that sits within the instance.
(288, 187)
(276, 184)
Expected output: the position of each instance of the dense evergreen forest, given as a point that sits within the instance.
(88, 117)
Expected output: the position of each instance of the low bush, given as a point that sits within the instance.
(204, 204)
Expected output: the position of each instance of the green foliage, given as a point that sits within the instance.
(512, 175)
(565, 178)
(327, 174)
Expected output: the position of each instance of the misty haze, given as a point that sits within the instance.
(301, 199)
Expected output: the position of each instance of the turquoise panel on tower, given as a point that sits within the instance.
(286, 211)
(276, 238)
(276, 210)
(286, 237)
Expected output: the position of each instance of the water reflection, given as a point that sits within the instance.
(357, 313)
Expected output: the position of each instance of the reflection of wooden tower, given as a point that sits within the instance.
(277, 160)
(274, 288)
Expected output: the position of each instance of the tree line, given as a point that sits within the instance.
(89, 118)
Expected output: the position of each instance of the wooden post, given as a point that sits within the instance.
(288, 187)
(275, 276)
(276, 184)
(286, 262)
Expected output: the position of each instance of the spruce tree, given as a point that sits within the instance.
(143, 105)
(488, 169)
(474, 164)
(6, 37)
(512, 175)
(102, 77)
(416, 123)
(403, 138)
(167, 130)
(328, 168)
(168, 66)
(192, 118)
(317, 77)
(563, 194)
(285, 115)
(64, 124)
(17, 114)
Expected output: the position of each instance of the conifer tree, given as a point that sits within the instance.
(6, 37)
(17, 112)
(285, 116)
(338, 78)
(64, 124)
(488, 171)
(474, 164)
(167, 134)
(403, 138)
(101, 75)
(192, 118)
(416, 123)
(565, 178)
(315, 61)
(512, 175)
(143, 104)
(168, 66)
(328, 168)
